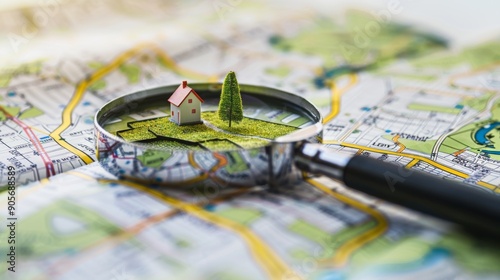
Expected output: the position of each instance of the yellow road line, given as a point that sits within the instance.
(487, 185)
(419, 158)
(272, 264)
(77, 97)
(99, 74)
(424, 159)
(412, 163)
(345, 251)
(335, 103)
(335, 95)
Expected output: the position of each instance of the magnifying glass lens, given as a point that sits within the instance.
(155, 125)
(142, 136)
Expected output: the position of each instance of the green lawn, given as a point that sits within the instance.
(250, 126)
(161, 132)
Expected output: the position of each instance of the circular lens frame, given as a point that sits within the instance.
(240, 167)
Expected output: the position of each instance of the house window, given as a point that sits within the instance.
(190, 100)
(172, 113)
(193, 111)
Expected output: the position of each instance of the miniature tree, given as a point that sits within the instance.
(230, 106)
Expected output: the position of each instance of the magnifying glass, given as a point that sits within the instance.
(138, 138)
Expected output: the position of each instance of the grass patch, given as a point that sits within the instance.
(30, 113)
(97, 85)
(244, 216)
(250, 127)
(120, 125)
(132, 72)
(162, 133)
(280, 71)
(200, 133)
(136, 134)
(94, 65)
(172, 145)
(219, 144)
(478, 103)
(13, 111)
(434, 108)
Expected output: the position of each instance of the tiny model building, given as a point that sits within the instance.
(185, 105)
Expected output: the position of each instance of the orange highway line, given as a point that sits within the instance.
(459, 152)
(402, 147)
(221, 163)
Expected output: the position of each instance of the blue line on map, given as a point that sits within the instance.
(490, 152)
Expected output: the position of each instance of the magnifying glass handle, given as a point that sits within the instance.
(476, 210)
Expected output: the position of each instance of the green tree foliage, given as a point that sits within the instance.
(230, 106)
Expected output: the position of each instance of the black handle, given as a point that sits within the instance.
(476, 210)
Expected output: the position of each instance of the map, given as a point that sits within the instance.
(386, 90)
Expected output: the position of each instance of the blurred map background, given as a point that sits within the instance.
(412, 82)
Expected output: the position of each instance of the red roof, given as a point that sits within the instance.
(181, 93)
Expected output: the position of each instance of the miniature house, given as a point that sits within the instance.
(185, 105)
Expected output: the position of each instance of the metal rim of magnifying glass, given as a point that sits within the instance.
(111, 149)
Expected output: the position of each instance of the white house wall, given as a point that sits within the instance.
(174, 113)
(185, 110)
